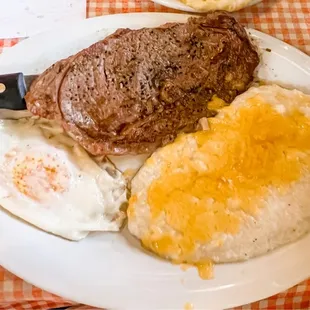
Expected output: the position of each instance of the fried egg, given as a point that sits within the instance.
(49, 181)
(232, 192)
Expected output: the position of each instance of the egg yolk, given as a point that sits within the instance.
(37, 177)
(205, 192)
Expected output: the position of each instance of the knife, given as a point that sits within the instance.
(13, 88)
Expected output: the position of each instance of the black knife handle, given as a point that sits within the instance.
(12, 91)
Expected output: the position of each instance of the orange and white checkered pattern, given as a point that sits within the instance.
(16, 294)
(6, 43)
(288, 20)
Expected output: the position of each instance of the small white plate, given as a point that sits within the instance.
(110, 269)
(178, 5)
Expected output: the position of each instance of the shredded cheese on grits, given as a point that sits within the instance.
(203, 193)
(237, 190)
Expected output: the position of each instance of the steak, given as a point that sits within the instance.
(137, 89)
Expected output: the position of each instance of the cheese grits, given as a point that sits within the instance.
(235, 191)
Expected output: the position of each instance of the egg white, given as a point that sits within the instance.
(57, 186)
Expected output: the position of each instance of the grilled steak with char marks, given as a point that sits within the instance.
(137, 89)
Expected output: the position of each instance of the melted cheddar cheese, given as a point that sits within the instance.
(205, 189)
(188, 306)
(216, 103)
(130, 209)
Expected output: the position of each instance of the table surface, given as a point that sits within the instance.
(288, 20)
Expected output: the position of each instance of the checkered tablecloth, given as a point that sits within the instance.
(288, 20)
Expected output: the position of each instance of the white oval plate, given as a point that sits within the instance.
(110, 269)
(178, 5)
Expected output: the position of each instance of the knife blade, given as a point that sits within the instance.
(13, 88)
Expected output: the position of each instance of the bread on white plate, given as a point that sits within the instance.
(199, 6)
